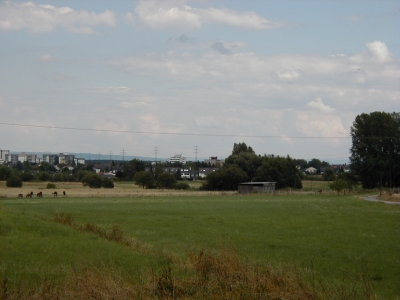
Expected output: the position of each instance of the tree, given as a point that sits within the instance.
(241, 147)
(144, 179)
(281, 170)
(338, 185)
(225, 179)
(166, 181)
(14, 181)
(375, 150)
(93, 180)
(5, 172)
(329, 175)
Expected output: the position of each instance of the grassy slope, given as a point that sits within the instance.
(338, 235)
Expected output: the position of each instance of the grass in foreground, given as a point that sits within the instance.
(330, 239)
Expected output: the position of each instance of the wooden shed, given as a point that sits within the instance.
(256, 187)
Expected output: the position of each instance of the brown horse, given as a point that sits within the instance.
(64, 194)
(319, 192)
(39, 195)
(54, 194)
(20, 195)
(29, 195)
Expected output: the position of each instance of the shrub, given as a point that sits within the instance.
(93, 181)
(166, 181)
(182, 186)
(51, 186)
(108, 183)
(14, 181)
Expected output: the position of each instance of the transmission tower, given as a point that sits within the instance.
(196, 150)
(155, 153)
(123, 154)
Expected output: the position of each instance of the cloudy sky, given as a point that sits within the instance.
(172, 76)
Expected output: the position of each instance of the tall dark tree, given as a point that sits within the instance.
(375, 150)
(241, 147)
(225, 179)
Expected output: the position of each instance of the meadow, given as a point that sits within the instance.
(341, 247)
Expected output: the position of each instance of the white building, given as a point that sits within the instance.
(177, 158)
(214, 161)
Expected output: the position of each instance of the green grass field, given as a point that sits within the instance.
(332, 239)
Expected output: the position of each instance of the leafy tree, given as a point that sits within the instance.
(281, 170)
(5, 172)
(350, 178)
(225, 179)
(329, 175)
(375, 150)
(166, 181)
(144, 179)
(108, 183)
(338, 185)
(43, 176)
(26, 176)
(240, 148)
(130, 168)
(14, 181)
(246, 160)
(93, 180)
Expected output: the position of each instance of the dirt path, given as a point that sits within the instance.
(375, 199)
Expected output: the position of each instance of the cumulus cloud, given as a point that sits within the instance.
(176, 14)
(377, 53)
(318, 104)
(39, 18)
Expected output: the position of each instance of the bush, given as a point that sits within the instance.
(51, 186)
(93, 181)
(108, 183)
(182, 186)
(14, 181)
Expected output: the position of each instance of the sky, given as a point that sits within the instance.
(165, 77)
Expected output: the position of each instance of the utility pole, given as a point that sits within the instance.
(110, 156)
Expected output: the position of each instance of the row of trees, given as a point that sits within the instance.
(146, 179)
(245, 165)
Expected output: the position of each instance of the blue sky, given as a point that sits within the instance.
(285, 77)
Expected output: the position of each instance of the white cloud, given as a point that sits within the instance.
(109, 89)
(46, 57)
(314, 125)
(318, 104)
(39, 18)
(176, 14)
(377, 53)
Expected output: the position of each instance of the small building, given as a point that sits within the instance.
(256, 187)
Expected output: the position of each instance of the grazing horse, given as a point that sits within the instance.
(39, 195)
(320, 192)
(54, 194)
(29, 195)
(64, 194)
(20, 195)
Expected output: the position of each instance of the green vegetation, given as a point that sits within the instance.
(14, 181)
(375, 151)
(330, 240)
(50, 186)
(93, 180)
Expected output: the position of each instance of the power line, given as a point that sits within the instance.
(181, 134)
